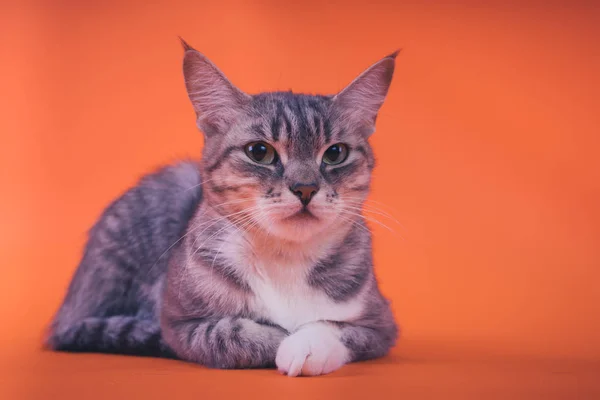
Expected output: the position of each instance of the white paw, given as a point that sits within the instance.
(313, 350)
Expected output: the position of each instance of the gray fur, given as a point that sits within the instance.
(121, 274)
(375, 332)
(153, 279)
(345, 271)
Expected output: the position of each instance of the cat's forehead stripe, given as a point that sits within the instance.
(298, 119)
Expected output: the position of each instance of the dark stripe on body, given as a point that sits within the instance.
(211, 259)
(339, 277)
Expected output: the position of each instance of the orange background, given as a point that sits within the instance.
(487, 154)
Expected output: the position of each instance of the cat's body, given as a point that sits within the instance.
(257, 256)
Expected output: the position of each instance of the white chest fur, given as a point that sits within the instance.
(285, 298)
(280, 289)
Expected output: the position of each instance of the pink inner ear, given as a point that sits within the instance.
(216, 100)
(361, 100)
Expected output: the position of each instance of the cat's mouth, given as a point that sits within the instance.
(303, 214)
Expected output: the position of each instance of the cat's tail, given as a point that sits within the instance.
(116, 334)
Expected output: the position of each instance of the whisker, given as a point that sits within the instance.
(221, 218)
(208, 240)
(211, 268)
(368, 200)
(372, 219)
(188, 232)
(216, 221)
(370, 207)
(248, 210)
(353, 222)
(198, 184)
(375, 211)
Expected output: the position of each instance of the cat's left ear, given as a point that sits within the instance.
(217, 102)
(360, 101)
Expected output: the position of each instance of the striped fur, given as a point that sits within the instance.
(219, 262)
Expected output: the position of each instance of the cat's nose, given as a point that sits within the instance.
(305, 191)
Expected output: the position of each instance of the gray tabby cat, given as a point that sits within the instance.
(258, 255)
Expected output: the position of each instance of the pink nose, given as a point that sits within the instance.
(305, 192)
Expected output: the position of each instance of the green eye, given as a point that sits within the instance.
(335, 154)
(261, 152)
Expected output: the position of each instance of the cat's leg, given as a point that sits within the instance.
(100, 312)
(314, 349)
(103, 299)
(228, 343)
(116, 334)
(322, 347)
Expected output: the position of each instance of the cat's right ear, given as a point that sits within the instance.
(360, 101)
(217, 102)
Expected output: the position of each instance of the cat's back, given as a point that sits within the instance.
(136, 231)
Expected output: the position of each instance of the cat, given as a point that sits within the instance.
(257, 256)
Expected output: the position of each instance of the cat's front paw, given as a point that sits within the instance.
(313, 350)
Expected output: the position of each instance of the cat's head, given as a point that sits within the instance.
(291, 165)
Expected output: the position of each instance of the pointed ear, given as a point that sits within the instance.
(359, 102)
(217, 102)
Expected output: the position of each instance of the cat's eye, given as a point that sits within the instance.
(335, 154)
(261, 152)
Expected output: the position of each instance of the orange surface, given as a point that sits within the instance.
(488, 156)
